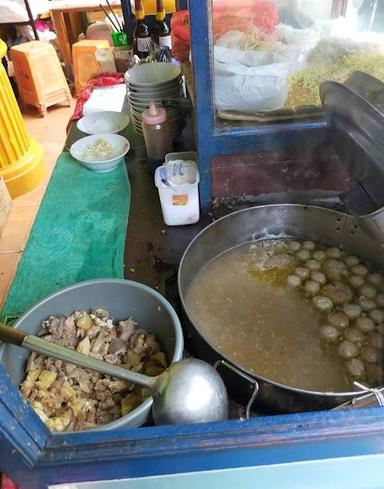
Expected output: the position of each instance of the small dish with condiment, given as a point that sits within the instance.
(100, 152)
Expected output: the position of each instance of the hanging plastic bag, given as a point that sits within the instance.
(252, 80)
(243, 15)
(181, 35)
(251, 89)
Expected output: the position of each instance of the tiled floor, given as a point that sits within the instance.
(50, 132)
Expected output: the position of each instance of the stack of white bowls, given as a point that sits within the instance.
(155, 82)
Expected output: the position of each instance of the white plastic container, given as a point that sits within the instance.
(106, 60)
(181, 155)
(178, 182)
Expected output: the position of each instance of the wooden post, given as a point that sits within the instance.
(5, 204)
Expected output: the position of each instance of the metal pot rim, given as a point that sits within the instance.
(213, 346)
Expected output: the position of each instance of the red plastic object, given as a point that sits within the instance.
(7, 483)
(154, 115)
(103, 80)
(227, 16)
(243, 15)
(43, 25)
(181, 35)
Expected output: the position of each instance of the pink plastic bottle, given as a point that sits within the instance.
(157, 135)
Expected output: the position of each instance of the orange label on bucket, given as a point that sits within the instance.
(181, 199)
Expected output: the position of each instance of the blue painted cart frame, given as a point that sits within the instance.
(35, 458)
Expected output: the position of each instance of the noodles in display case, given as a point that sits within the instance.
(270, 56)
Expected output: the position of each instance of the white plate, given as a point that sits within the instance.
(152, 74)
(103, 122)
(160, 89)
(155, 98)
(141, 107)
(170, 112)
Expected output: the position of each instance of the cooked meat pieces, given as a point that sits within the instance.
(71, 398)
(143, 343)
(62, 330)
(117, 347)
(126, 328)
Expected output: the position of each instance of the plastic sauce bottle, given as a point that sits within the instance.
(157, 135)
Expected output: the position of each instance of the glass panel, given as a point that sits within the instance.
(343, 473)
(270, 56)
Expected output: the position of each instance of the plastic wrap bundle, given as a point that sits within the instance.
(243, 15)
(181, 35)
(15, 11)
(251, 80)
(251, 67)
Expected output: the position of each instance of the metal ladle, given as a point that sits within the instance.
(189, 391)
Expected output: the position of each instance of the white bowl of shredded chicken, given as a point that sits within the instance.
(100, 152)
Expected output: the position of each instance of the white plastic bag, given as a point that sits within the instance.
(260, 89)
(251, 80)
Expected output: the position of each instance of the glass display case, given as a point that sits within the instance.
(270, 56)
(258, 66)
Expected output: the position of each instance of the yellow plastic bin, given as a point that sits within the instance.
(85, 64)
(39, 76)
(21, 157)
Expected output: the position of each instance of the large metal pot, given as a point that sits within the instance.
(271, 222)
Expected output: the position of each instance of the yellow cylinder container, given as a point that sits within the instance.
(150, 6)
(21, 157)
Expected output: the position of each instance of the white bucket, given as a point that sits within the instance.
(178, 183)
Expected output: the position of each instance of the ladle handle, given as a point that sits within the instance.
(11, 335)
(44, 347)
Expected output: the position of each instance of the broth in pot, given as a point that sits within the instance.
(297, 313)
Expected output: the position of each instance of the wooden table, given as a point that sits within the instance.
(61, 7)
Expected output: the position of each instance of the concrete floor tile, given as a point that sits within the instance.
(50, 132)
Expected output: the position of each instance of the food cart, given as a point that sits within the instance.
(329, 448)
